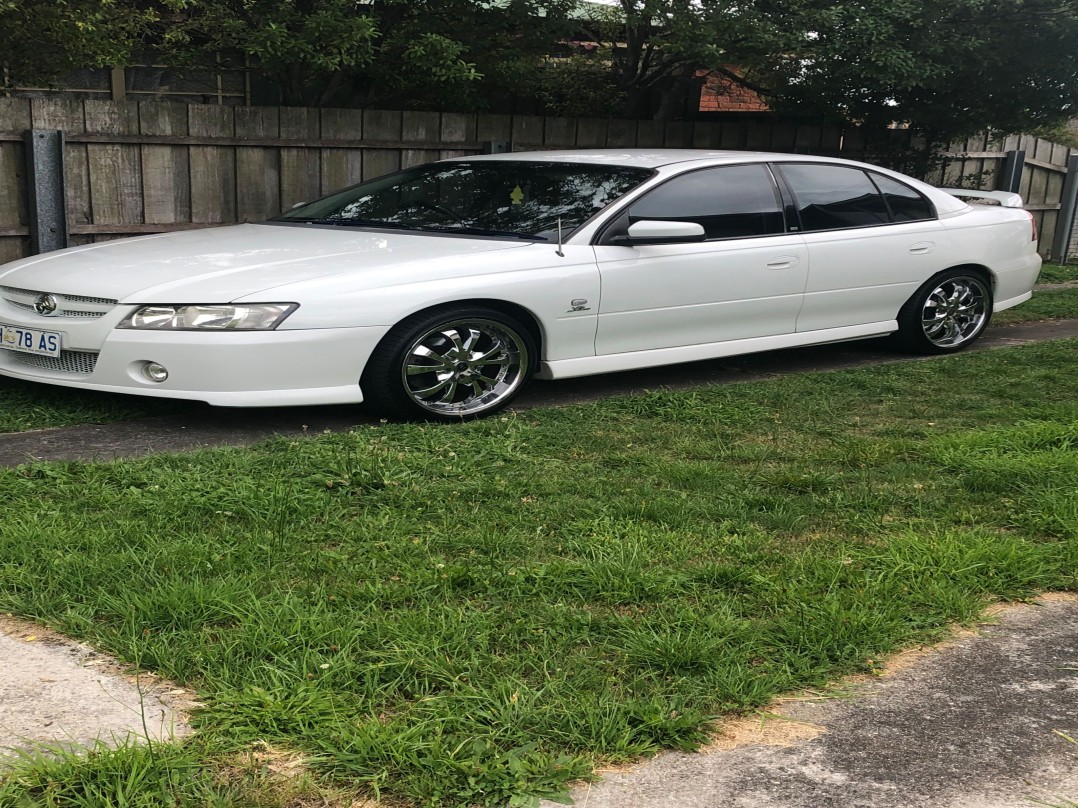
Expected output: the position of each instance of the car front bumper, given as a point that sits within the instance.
(233, 369)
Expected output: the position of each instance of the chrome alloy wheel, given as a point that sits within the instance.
(464, 367)
(955, 311)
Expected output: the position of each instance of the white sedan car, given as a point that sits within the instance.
(439, 291)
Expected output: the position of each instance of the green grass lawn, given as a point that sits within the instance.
(25, 406)
(479, 613)
(1058, 273)
(1055, 304)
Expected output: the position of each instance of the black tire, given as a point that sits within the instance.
(947, 314)
(479, 360)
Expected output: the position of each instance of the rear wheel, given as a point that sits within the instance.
(450, 364)
(946, 314)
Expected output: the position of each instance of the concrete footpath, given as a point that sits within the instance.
(987, 721)
(57, 692)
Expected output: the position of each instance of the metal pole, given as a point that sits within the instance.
(1013, 165)
(48, 206)
(1068, 204)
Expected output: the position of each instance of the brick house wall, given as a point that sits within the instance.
(720, 94)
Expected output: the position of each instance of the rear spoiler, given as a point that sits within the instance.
(1004, 198)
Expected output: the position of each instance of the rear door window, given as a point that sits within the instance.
(834, 197)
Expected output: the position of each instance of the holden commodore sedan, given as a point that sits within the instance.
(438, 292)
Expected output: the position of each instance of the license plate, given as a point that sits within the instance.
(29, 340)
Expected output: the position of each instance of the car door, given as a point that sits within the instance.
(871, 239)
(746, 279)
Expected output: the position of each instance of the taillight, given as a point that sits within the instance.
(1032, 224)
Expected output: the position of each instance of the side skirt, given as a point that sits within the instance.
(613, 363)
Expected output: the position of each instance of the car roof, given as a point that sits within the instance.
(644, 158)
(659, 158)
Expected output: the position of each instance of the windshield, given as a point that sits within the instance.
(494, 198)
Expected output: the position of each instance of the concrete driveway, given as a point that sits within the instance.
(987, 721)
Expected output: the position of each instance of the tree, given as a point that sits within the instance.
(41, 41)
(945, 67)
(654, 49)
(948, 67)
(404, 53)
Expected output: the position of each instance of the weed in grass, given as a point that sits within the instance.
(133, 774)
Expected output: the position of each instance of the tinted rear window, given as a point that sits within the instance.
(905, 203)
(834, 197)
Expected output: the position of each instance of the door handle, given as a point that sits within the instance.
(922, 247)
(783, 262)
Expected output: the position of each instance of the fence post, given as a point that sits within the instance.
(1013, 165)
(45, 180)
(497, 146)
(118, 83)
(1068, 203)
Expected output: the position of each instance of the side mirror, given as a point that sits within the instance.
(657, 232)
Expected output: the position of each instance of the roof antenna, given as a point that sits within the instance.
(559, 250)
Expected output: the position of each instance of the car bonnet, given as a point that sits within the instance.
(226, 263)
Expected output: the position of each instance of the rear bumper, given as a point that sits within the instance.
(1014, 285)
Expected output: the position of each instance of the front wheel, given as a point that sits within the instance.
(946, 314)
(450, 365)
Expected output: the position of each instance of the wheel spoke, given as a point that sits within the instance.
(450, 391)
(423, 353)
(453, 335)
(477, 387)
(427, 392)
(498, 359)
(472, 338)
(420, 370)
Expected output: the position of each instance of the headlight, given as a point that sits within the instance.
(254, 317)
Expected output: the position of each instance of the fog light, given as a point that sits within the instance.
(154, 372)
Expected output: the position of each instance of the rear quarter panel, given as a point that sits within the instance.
(999, 239)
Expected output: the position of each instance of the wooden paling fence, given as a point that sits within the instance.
(132, 168)
(1040, 175)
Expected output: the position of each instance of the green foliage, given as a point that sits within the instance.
(304, 46)
(949, 67)
(41, 41)
(391, 53)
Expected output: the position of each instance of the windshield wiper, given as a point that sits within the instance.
(357, 223)
(486, 231)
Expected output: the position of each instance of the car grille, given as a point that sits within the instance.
(76, 362)
(78, 306)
